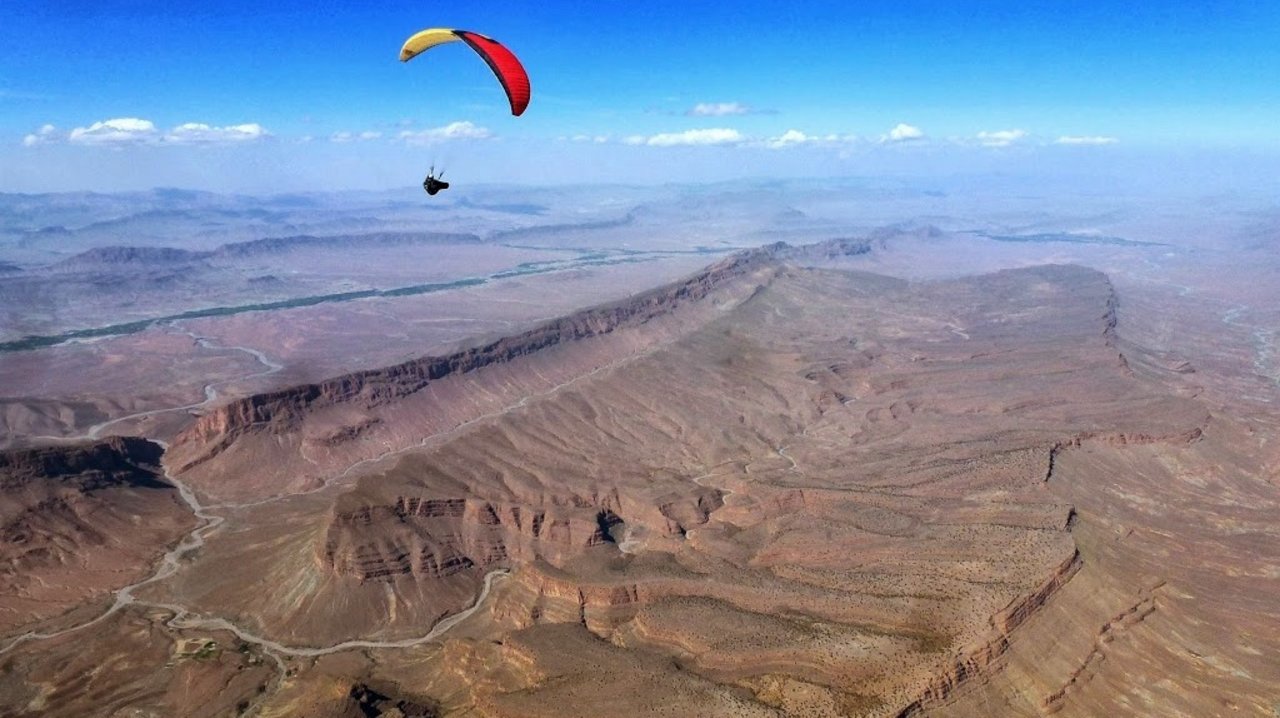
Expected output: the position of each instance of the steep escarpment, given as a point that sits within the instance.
(78, 520)
(118, 460)
(281, 411)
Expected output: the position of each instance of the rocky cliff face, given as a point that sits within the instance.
(435, 538)
(78, 520)
(432, 538)
(119, 460)
(280, 411)
(984, 657)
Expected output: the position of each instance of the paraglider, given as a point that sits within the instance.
(505, 66)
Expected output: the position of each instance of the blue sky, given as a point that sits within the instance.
(311, 94)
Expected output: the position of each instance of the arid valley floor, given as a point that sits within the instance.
(838, 449)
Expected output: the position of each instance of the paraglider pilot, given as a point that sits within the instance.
(433, 184)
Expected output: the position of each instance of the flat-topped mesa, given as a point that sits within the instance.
(279, 411)
(115, 460)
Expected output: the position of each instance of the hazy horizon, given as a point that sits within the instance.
(307, 98)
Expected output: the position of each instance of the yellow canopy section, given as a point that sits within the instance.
(425, 40)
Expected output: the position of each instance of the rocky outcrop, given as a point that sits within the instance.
(1117, 626)
(114, 461)
(1121, 438)
(980, 659)
(435, 538)
(373, 703)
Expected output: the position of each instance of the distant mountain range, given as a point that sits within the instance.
(153, 256)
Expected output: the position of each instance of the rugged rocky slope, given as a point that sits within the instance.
(132, 664)
(78, 520)
(768, 490)
(831, 491)
(299, 413)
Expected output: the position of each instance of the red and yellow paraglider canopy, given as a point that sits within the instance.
(502, 61)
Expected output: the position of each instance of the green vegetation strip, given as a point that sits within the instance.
(38, 342)
(1070, 239)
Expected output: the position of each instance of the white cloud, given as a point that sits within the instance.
(46, 133)
(718, 109)
(902, 132)
(119, 131)
(594, 139)
(1085, 140)
(790, 137)
(199, 133)
(344, 136)
(135, 131)
(452, 131)
(715, 136)
(724, 136)
(795, 138)
(1001, 138)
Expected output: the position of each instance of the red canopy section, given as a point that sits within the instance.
(504, 65)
